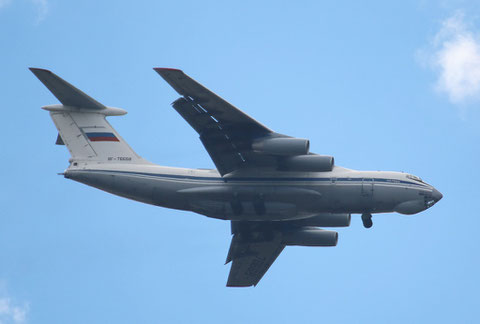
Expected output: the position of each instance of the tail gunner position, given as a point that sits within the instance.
(270, 186)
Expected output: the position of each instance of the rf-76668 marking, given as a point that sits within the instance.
(270, 186)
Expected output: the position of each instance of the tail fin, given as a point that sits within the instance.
(82, 125)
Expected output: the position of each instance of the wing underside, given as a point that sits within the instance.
(225, 131)
(256, 245)
(251, 259)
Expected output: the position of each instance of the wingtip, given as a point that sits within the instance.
(37, 71)
(160, 69)
(231, 285)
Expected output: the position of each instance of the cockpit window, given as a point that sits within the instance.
(411, 176)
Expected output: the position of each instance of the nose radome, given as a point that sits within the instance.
(436, 195)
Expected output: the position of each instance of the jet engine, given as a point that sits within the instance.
(307, 163)
(282, 146)
(310, 236)
(326, 220)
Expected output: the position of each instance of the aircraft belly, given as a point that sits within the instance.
(344, 198)
(250, 202)
(223, 210)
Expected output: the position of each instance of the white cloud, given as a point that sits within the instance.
(42, 9)
(455, 55)
(11, 313)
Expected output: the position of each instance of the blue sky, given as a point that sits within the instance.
(378, 85)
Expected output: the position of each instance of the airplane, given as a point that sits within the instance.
(273, 190)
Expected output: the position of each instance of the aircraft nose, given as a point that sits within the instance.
(436, 195)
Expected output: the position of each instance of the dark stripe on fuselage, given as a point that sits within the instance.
(261, 179)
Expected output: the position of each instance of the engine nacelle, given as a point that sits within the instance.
(308, 163)
(282, 146)
(326, 220)
(310, 236)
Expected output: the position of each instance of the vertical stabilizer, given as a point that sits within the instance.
(82, 125)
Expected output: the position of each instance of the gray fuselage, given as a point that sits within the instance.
(261, 195)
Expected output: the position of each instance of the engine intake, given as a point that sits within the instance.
(282, 146)
(309, 236)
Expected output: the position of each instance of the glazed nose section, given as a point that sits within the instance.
(436, 195)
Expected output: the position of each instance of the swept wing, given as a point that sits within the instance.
(226, 132)
(252, 253)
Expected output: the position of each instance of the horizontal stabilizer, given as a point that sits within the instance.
(66, 93)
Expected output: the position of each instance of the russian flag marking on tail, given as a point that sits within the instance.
(102, 137)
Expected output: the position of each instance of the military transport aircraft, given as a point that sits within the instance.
(270, 186)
